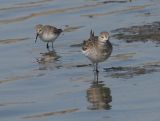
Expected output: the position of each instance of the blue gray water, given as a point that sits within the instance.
(58, 86)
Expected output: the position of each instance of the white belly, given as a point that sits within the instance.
(48, 37)
(95, 56)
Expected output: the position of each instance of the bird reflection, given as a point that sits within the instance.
(99, 96)
(48, 60)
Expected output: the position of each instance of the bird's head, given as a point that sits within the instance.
(39, 30)
(103, 37)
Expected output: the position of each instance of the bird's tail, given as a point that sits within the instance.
(91, 34)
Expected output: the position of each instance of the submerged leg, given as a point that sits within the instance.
(95, 71)
(97, 68)
(47, 45)
(96, 76)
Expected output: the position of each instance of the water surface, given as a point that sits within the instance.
(37, 84)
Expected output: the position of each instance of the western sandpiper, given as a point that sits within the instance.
(47, 33)
(97, 48)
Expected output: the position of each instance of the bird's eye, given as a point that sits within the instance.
(102, 37)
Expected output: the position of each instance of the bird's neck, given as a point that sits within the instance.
(102, 42)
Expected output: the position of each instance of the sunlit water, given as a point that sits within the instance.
(36, 84)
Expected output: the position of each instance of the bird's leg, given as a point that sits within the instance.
(96, 76)
(96, 72)
(36, 37)
(47, 45)
(97, 68)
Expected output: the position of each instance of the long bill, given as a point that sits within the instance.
(36, 37)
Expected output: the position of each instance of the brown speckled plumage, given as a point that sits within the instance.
(97, 48)
(47, 33)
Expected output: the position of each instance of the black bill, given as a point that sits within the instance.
(36, 37)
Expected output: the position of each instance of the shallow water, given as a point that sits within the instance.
(58, 86)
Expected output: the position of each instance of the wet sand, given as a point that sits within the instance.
(59, 85)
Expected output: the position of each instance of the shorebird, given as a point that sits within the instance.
(97, 48)
(47, 33)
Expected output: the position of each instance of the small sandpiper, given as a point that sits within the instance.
(47, 33)
(97, 48)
